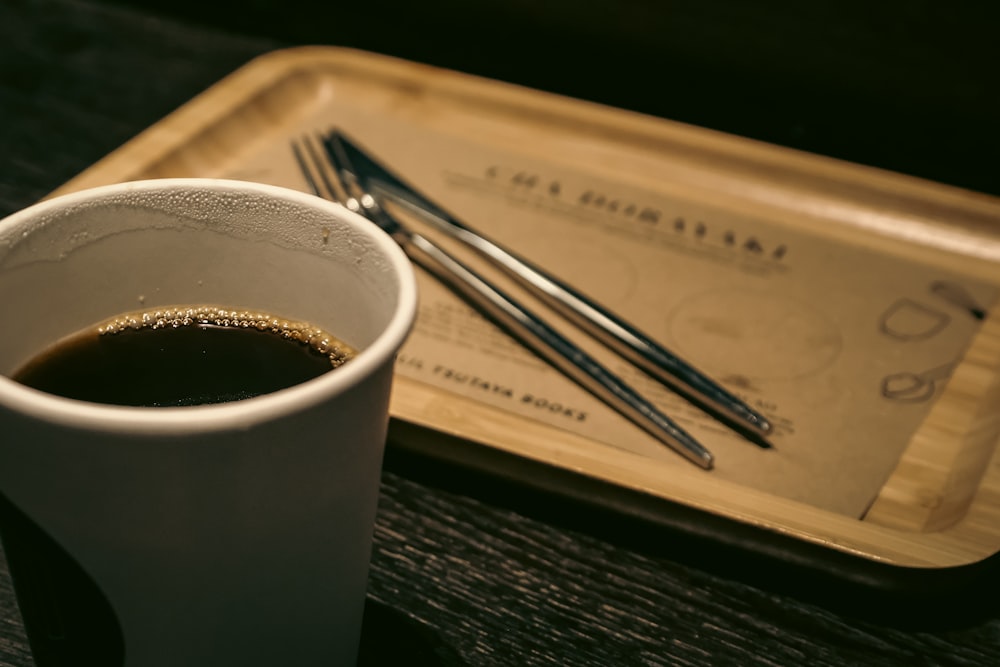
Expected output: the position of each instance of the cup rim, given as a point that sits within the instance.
(236, 414)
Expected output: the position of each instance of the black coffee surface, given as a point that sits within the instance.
(181, 357)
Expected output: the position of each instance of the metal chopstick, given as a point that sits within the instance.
(610, 329)
(514, 318)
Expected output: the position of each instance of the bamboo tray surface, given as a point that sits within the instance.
(509, 156)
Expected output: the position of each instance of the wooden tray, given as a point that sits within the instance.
(938, 509)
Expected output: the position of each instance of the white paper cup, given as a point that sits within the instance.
(228, 534)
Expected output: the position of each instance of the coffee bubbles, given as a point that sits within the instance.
(184, 355)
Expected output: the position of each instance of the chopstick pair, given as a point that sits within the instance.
(366, 186)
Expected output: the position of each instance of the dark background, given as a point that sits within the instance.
(909, 86)
(512, 574)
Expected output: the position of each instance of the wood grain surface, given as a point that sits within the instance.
(502, 575)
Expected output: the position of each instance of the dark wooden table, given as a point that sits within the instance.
(478, 571)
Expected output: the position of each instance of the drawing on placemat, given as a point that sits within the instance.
(910, 320)
(756, 335)
(910, 387)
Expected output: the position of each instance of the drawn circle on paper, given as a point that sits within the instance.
(910, 320)
(594, 269)
(742, 334)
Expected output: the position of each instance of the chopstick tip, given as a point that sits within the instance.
(760, 423)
